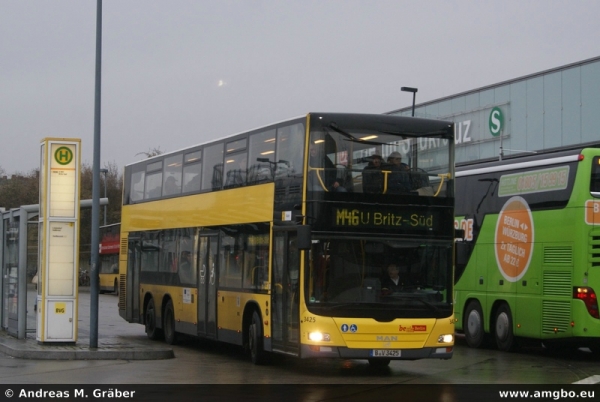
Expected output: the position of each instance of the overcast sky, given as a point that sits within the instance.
(181, 72)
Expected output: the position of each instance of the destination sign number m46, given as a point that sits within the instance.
(374, 218)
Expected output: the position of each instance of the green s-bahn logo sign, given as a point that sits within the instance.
(63, 156)
(496, 121)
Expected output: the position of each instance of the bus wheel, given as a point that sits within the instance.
(255, 340)
(116, 288)
(169, 324)
(473, 325)
(151, 331)
(378, 363)
(505, 338)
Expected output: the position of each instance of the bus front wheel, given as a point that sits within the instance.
(152, 331)
(473, 325)
(505, 338)
(169, 324)
(255, 340)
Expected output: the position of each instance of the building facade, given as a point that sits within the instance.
(550, 109)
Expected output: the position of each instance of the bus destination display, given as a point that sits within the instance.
(378, 218)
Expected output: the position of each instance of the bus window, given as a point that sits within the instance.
(153, 186)
(172, 176)
(212, 167)
(290, 150)
(231, 262)
(192, 171)
(168, 252)
(187, 257)
(261, 155)
(256, 265)
(137, 186)
(235, 170)
(150, 247)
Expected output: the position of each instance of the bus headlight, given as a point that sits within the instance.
(448, 338)
(318, 337)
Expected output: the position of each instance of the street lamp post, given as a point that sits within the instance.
(105, 171)
(414, 92)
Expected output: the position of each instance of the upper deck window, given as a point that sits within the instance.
(365, 160)
(261, 157)
(212, 167)
(172, 176)
(192, 171)
(153, 182)
(236, 146)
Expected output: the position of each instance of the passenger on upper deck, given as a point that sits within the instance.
(372, 177)
(399, 179)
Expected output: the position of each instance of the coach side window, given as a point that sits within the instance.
(595, 179)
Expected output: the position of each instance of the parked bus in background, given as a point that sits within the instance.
(279, 239)
(109, 258)
(528, 267)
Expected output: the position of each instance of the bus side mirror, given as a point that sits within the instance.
(304, 241)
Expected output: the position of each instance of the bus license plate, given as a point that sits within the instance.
(385, 353)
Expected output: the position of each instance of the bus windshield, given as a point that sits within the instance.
(389, 278)
(372, 161)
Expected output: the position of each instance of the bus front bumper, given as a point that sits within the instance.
(308, 351)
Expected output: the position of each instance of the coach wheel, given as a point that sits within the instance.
(505, 338)
(151, 330)
(377, 363)
(473, 325)
(255, 340)
(169, 324)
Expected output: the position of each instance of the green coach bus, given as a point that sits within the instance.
(528, 266)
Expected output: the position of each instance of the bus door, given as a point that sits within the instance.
(285, 294)
(207, 284)
(134, 245)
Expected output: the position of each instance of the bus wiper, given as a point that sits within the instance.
(336, 306)
(351, 138)
(337, 129)
(428, 304)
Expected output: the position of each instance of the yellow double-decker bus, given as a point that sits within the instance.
(280, 239)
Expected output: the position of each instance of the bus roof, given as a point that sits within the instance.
(412, 126)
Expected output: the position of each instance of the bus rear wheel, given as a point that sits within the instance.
(152, 331)
(255, 340)
(169, 324)
(503, 329)
(473, 325)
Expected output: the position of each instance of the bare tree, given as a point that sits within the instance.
(21, 189)
(151, 152)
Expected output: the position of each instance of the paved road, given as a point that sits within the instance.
(204, 362)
